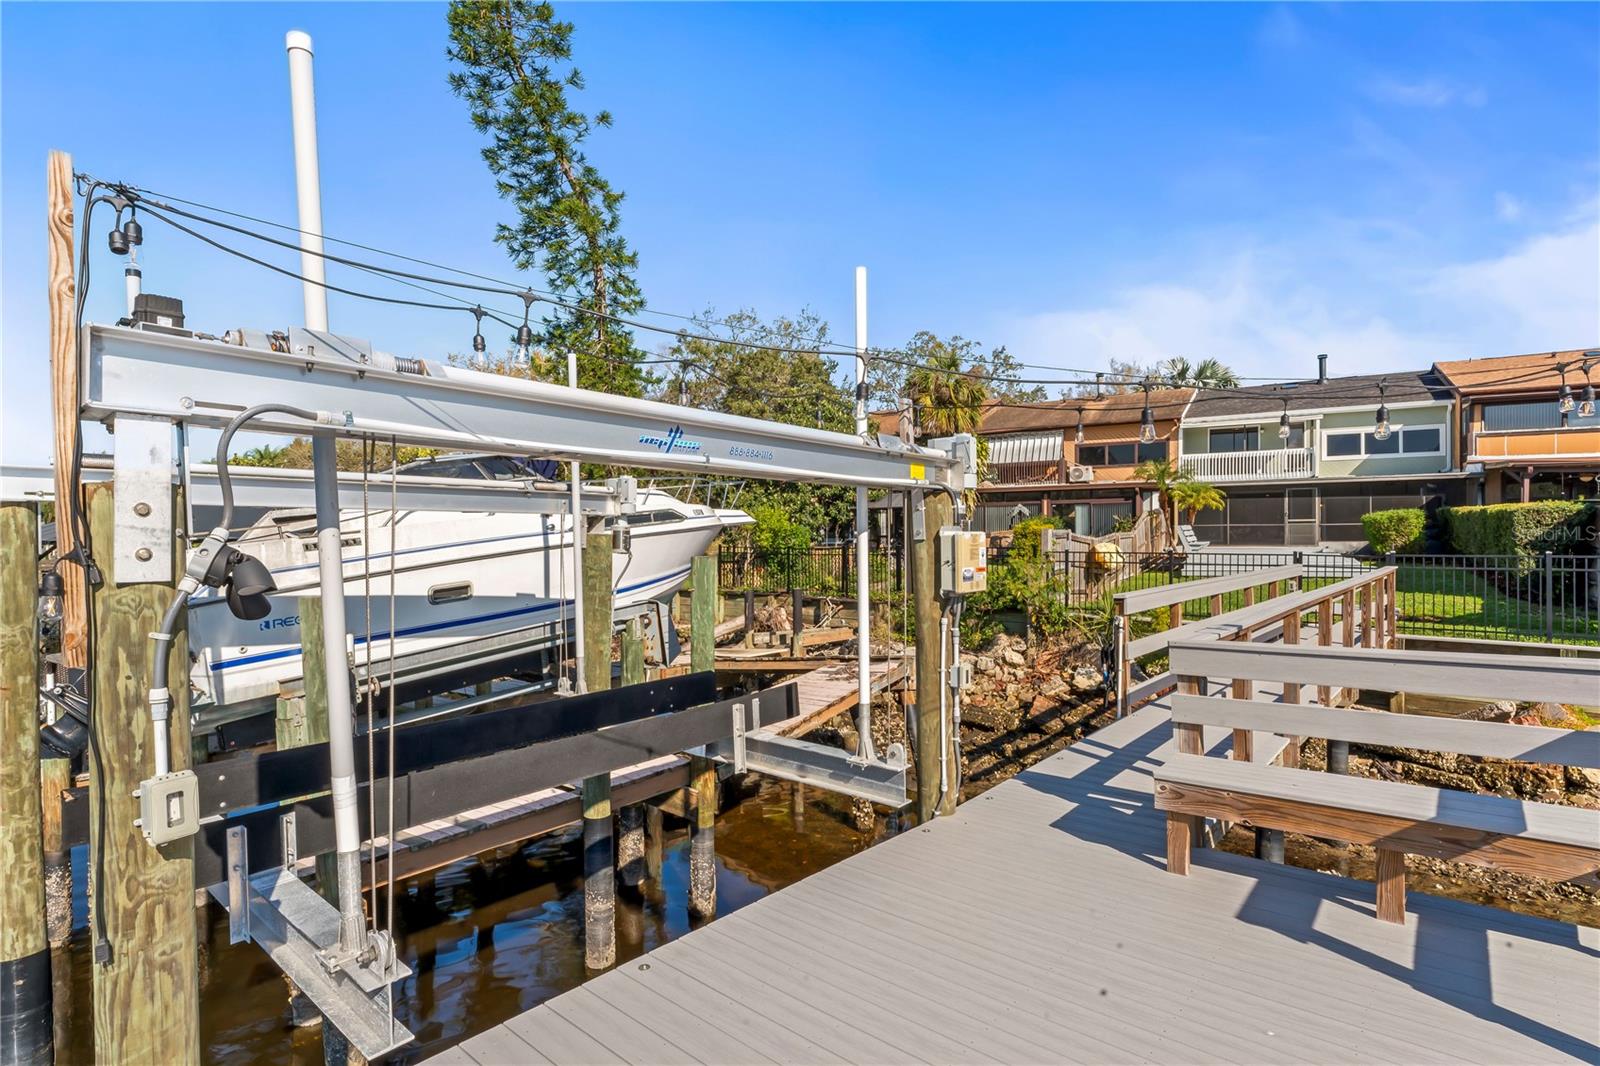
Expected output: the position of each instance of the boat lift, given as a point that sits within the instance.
(147, 383)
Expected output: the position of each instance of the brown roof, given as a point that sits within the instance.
(1538, 372)
(1113, 409)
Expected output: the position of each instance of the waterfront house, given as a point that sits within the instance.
(1529, 426)
(1075, 458)
(1302, 461)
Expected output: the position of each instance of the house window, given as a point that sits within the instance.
(1155, 450)
(1240, 439)
(1424, 440)
(1420, 441)
(1389, 445)
(1342, 445)
(1297, 435)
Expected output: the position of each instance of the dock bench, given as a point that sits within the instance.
(1546, 840)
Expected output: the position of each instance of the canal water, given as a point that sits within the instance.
(490, 937)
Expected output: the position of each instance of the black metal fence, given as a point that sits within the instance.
(1548, 597)
(818, 570)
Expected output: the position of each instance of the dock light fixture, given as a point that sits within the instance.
(1147, 421)
(1283, 422)
(1564, 399)
(248, 582)
(1381, 429)
(68, 735)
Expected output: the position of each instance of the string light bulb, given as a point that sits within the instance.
(1586, 406)
(1283, 422)
(1381, 429)
(1564, 399)
(479, 345)
(524, 334)
(1147, 421)
(1077, 436)
(50, 592)
(132, 230)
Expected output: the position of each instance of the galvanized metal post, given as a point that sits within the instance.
(580, 530)
(341, 702)
(599, 888)
(703, 838)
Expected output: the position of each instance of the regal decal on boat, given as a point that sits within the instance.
(673, 440)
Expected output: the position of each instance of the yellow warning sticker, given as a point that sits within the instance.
(918, 471)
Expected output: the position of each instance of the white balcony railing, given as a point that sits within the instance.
(1270, 465)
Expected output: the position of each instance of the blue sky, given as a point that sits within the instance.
(1389, 184)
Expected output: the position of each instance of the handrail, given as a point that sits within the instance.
(1439, 673)
(1366, 600)
(1136, 601)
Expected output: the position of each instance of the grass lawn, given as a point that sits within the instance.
(1433, 601)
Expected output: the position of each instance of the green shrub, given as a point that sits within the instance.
(1025, 581)
(776, 530)
(1399, 530)
(1519, 529)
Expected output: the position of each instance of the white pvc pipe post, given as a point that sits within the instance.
(863, 550)
(330, 547)
(307, 180)
(579, 530)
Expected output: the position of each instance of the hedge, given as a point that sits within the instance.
(1399, 530)
(1520, 529)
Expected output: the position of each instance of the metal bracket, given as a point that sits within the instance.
(142, 476)
(919, 517)
(738, 738)
(880, 781)
(291, 846)
(238, 885)
(295, 927)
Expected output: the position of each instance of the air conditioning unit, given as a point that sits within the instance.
(1079, 474)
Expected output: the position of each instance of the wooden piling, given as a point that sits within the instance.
(703, 839)
(64, 400)
(55, 778)
(599, 888)
(146, 998)
(749, 618)
(599, 859)
(633, 653)
(797, 625)
(597, 600)
(26, 1029)
(702, 619)
(652, 843)
(935, 738)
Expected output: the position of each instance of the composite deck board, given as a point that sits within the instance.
(1039, 924)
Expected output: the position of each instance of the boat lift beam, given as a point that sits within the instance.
(358, 392)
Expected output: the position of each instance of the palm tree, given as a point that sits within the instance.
(1191, 497)
(1164, 475)
(1207, 374)
(948, 399)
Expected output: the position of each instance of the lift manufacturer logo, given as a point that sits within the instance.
(673, 440)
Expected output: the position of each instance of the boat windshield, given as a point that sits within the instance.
(485, 468)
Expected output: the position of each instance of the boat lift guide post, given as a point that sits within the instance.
(138, 377)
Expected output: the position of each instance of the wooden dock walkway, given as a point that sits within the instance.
(1038, 924)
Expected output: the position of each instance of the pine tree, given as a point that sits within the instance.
(514, 69)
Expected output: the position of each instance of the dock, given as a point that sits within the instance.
(1038, 924)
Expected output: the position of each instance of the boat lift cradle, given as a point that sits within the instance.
(144, 383)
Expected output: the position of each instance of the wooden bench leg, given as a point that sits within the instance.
(1391, 884)
(1180, 837)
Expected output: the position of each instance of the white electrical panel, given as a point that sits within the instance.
(963, 561)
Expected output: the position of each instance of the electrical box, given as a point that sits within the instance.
(169, 806)
(963, 561)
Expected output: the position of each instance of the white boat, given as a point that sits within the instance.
(462, 580)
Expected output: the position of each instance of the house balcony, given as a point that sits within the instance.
(1547, 445)
(1036, 472)
(1275, 464)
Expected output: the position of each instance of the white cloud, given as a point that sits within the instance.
(1427, 92)
(1542, 295)
(1268, 312)
(1507, 208)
